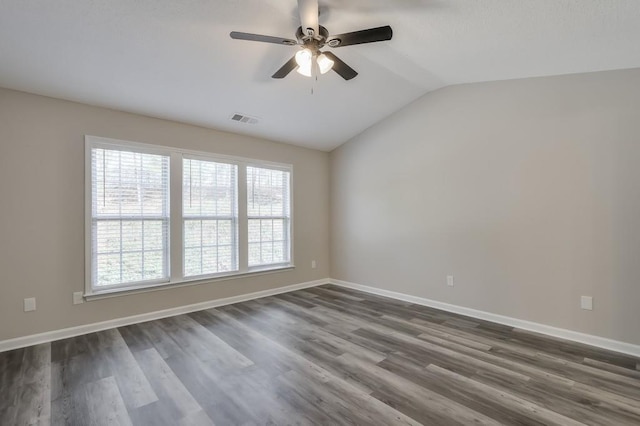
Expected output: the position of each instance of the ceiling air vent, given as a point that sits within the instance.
(241, 118)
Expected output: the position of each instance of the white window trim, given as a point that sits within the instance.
(176, 274)
(288, 231)
(237, 218)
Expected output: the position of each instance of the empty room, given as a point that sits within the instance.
(319, 212)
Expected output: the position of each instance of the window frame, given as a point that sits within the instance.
(288, 231)
(235, 236)
(175, 238)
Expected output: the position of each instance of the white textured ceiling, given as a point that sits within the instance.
(174, 59)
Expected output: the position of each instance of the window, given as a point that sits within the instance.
(130, 217)
(161, 216)
(210, 214)
(268, 215)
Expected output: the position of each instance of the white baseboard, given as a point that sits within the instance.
(588, 339)
(35, 339)
(597, 341)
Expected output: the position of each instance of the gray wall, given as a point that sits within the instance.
(42, 210)
(527, 191)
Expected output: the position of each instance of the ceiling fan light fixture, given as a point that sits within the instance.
(324, 63)
(305, 70)
(304, 60)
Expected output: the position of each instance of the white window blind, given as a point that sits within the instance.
(129, 217)
(210, 217)
(268, 215)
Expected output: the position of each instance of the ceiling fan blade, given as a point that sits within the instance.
(263, 38)
(363, 36)
(286, 68)
(308, 15)
(344, 70)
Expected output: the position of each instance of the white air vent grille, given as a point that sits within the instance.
(241, 118)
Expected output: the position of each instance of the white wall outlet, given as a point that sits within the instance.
(30, 304)
(586, 302)
(313, 264)
(450, 280)
(78, 298)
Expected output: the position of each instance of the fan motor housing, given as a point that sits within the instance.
(318, 40)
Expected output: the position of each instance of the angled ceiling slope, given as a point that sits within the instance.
(175, 60)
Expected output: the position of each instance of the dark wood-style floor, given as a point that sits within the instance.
(325, 355)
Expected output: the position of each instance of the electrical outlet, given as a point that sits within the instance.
(450, 280)
(30, 304)
(586, 302)
(313, 264)
(78, 297)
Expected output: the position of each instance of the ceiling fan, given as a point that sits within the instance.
(311, 37)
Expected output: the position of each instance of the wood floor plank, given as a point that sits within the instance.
(135, 338)
(34, 396)
(621, 402)
(417, 402)
(199, 418)
(453, 338)
(450, 357)
(190, 334)
(156, 413)
(105, 404)
(342, 405)
(635, 374)
(136, 389)
(387, 302)
(505, 399)
(562, 400)
(625, 385)
(401, 366)
(576, 351)
(259, 393)
(325, 355)
(548, 388)
(75, 362)
(327, 334)
(169, 389)
(10, 379)
(242, 341)
(577, 372)
(219, 406)
(325, 291)
(320, 355)
(422, 351)
(495, 358)
(568, 401)
(155, 334)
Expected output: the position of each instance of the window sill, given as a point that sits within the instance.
(116, 292)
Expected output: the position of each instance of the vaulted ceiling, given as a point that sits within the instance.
(174, 59)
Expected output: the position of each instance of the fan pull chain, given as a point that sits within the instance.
(314, 73)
